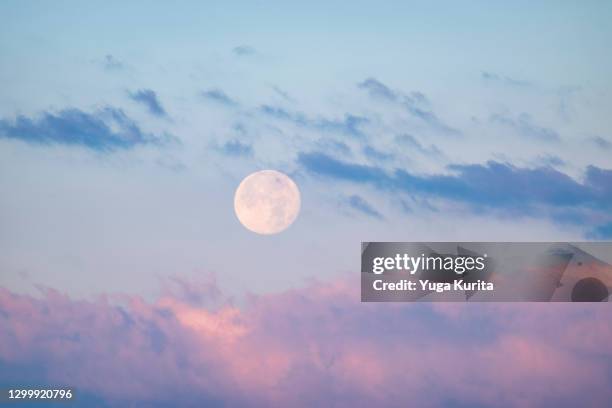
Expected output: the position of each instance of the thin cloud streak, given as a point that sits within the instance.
(348, 125)
(219, 96)
(104, 130)
(415, 103)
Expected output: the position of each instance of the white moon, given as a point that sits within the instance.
(267, 202)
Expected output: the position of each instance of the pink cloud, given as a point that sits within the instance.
(312, 346)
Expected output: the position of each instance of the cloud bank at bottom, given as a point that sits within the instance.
(313, 346)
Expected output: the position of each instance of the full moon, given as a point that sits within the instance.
(267, 202)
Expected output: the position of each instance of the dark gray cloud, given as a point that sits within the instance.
(349, 125)
(236, 148)
(415, 103)
(217, 95)
(359, 204)
(244, 50)
(524, 126)
(492, 77)
(492, 185)
(148, 98)
(104, 130)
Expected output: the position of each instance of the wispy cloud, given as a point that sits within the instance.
(375, 154)
(236, 148)
(492, 77)
(411, 142)
(218, 96)
(550, 160)
(359, 204)
(349, 125)
(379, 90)
(523, 125)
(601, 142)
(244, 50)
(103, 130)
(414, 103)
(283, 94)
(111, 63)
(331, 145)
(149, 99)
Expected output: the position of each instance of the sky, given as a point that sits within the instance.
(125, 128)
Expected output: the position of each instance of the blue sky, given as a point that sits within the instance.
(125, 128)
